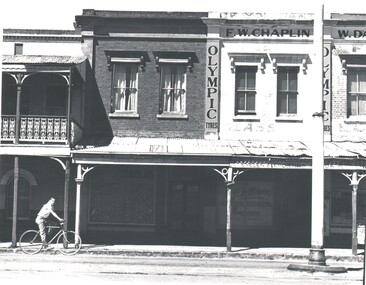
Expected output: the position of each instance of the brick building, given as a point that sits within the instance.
(182, 115)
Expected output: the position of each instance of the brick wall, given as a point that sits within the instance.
(151, 37)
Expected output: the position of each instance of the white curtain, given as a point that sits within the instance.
(125, 87)
(173, 88)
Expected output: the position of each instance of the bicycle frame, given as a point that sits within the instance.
(61, 231)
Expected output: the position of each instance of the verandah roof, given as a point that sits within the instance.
(42, 59)
(252, 152)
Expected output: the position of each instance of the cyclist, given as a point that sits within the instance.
(42, 215)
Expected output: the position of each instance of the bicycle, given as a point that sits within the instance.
(68, 242)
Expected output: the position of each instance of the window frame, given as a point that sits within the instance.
(163, 64)
(124, 63)
(287, 92)
(18, 48)
(246, 90)
(359, 93)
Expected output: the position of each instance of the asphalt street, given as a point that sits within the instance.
(94, 269)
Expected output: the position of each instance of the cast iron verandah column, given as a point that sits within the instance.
(355, 179)
(229, 176)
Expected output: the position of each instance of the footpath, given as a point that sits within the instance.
(333, 255)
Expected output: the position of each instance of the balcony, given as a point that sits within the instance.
(35, 129)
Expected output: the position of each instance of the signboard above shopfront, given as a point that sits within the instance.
(265, 31)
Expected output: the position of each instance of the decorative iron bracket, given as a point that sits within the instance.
(86, 169)
(82, 171)
(229, 174)
(354, 178)
(63, 165)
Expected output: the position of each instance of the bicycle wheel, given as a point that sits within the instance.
(30, 242)
(69, 243)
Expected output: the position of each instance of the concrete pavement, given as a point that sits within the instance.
(333, 255)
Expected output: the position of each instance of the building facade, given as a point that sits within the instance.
(42, 117)
(184, 127)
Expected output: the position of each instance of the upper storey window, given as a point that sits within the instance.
(124, 93)
(245, 90)
(356, 92)
(287, 90)
(173, 88)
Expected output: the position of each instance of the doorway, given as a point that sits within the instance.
(185, 218)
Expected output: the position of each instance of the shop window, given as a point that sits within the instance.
(24, 190)
(245, 90)
(173, 89)
(341, 209)
(252, 205)
(124, 88)
(287, 91)
(123, 196)
(356, 92)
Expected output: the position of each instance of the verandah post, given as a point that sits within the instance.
(66, 196)
(15, 202)
(229, 184)
(79, 180)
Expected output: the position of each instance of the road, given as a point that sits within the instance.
(95, 269)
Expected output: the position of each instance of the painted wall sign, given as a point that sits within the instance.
(327, 56)
(212, 88)
(348, 32)
(265, 31)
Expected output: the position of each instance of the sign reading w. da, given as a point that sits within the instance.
(346, 33)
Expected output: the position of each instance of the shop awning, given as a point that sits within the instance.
(239, 153)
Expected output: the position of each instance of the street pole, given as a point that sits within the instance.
(364, 257)
(317, 255)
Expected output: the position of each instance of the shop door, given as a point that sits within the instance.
(184, 212)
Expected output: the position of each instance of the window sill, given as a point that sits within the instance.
(242, 118)
(172, 116)
(123, 115)
(355, 120)
(293, 119)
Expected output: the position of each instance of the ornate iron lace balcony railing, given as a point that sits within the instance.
(35, 129)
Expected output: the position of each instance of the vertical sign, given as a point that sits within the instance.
(212, 89)
(327, 57)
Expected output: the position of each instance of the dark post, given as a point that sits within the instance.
(66, 195)
(15, 202)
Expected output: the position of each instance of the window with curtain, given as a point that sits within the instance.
(173, 92)
(124, 97)
(287, 94)
(245, 90)
(356, 89)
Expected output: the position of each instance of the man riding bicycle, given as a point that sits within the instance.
(43, 214)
